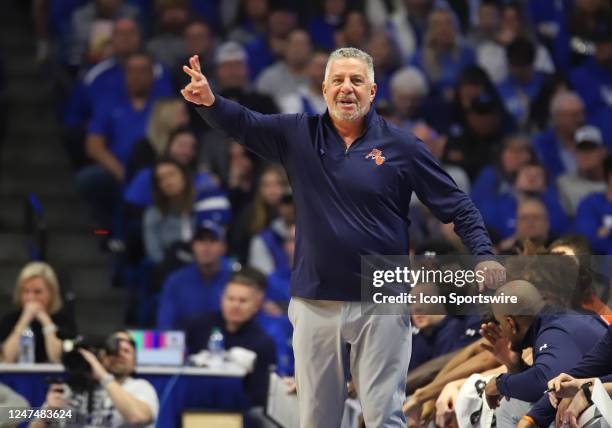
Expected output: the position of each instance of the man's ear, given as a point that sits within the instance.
(323, 88)
(373, 90)
(513, 324)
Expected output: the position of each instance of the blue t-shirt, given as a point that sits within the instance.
(451, 67)
(517, 96)
(120, 124)
(594, 84)
(278, 285)
(593, 212)
(187, 295)
(139, 191)
(549, 151)
(349, 202)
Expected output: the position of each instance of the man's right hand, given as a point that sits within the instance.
(198, 90)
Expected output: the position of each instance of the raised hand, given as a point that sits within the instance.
(498, 345)
(198, 90)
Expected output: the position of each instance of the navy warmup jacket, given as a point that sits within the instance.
(349, 202)
(596, 363)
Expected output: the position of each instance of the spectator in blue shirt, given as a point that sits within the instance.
(559, 341)
(443, 55)
(500, 212)
(555, 146)
(523, 83)
(115, 128)
(594, 215)
(240, 302)
(277, 294)
(593, 79)
(322, 27)
(196, 289)
(498, 178)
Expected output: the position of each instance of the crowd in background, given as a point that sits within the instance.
(514, 98)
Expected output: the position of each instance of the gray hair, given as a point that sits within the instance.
(409, 79)
(560, 99)
(351, 53)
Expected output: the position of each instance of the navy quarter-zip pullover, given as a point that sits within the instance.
(349, 202)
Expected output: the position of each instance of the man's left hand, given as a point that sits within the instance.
(492, 394)
(97, 368)
(494, 274)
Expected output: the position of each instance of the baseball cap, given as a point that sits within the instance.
(230, 51)
(209, 229)
(588, 135)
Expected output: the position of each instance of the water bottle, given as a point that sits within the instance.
(216, 347)
(26, 346)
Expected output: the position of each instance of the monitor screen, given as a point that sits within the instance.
(156, 347)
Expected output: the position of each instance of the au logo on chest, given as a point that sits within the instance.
(377, 155)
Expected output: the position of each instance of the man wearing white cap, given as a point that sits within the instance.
(589, 175)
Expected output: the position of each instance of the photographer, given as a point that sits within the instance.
(115, 399)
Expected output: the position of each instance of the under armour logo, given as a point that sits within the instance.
(543, 347)
(470, 332)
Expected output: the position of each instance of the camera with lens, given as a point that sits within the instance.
(78, 371)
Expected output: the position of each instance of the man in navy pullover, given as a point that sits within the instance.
(352, 175)
(559, 341)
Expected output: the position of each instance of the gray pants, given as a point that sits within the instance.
(380, 347)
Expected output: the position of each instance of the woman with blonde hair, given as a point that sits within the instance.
(167, 115)
(39, 307)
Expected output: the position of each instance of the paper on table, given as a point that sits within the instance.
(602, 401)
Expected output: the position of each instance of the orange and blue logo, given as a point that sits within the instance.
(376, 154)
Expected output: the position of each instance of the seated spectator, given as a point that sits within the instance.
(409, 101)
(491, 51)
(88, 22)
(277, 293)
(435, 333)
(559, 341)
(594, 215)
(322, 27)
(232, 82)
(532, 223)
(530, 183)
(196, 288)
(584, 295)
(353, 30)
(241, 300)
(589, 176)
(240, 183)
(107, 78)
(114, 130)
(523, 83)
(260, 213)
(472, 146)
(266, 252)
(408, 23)
(386, 59)
(498, 178)
(180, 146)
(198, 39)
(269, 47)
(291, 71)
(555, 146)
(169, 220)
(308, 99)
(443, 55)
(249, 21)
(116, 400)
(167, 115)
(39, 307)
(167, 44)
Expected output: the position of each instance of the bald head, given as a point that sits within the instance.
(530, 302)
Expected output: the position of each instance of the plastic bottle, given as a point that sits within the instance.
(216, 347)
(26, 346)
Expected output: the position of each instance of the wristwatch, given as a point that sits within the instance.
(587, 392)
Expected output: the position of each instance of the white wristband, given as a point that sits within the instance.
(49, 329)
(106, 379)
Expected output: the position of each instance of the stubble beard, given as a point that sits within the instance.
(347, 117)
